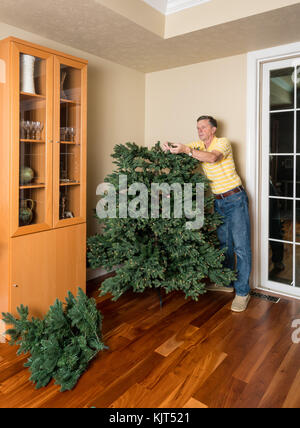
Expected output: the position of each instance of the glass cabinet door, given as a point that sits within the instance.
(70, 147)
(32, 140)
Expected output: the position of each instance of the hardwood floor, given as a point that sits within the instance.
(185, 355)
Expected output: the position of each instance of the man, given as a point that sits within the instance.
(231, 202)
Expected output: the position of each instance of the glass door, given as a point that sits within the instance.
(70, 147)
(32, 140)
(280, 201)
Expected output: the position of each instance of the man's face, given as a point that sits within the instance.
(205, 130)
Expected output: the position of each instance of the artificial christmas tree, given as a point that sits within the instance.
(62, 344)
(156, 251)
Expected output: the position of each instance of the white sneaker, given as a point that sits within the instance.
(240, 303)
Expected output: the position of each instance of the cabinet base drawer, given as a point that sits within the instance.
(45, 266)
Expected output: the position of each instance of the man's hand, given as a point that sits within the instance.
(179, 148)
(165, 146)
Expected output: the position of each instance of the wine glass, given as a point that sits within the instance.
(39, 129)
(34, 130)
(31, 129)
(64, 133)
(27, 129)
(72, 133)
(22, 129)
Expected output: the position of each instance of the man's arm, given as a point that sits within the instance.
(210, 157)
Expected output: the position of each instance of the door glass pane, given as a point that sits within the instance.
(281, 219)
(298, 87)
(298, 176)
(281, 262)
(282, 89)
(298, 132)
(282, 176)
(32, 147)
(70, 149)
(297, 265)
(282, 132)
(298, 221)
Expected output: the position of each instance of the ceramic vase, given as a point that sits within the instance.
(27, 74)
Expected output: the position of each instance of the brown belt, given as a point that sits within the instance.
(229, 193)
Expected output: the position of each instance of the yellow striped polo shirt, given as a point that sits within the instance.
(222, 174)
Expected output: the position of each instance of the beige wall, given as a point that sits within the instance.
(116, 111)
(176, 98)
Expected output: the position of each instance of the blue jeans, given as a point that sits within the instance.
(234, 234)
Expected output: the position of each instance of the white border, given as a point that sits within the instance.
(254, 62)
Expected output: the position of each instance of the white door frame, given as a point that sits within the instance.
(255, 60)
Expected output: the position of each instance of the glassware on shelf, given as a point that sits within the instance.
(63, 133)
(39, 126)
(22, 129)
(72, 133)
(67, 134)
(27, 128)
(31, 130)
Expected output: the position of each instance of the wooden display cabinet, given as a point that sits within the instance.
(42, 175)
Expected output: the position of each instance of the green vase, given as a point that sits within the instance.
(26, 175)
(26, 212)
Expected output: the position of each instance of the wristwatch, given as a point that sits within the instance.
(190, 152)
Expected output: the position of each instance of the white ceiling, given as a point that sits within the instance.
(171, 6)
(98, 30)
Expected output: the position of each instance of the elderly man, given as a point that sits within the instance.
(231, 202)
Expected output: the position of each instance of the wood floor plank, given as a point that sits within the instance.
(124, 381)
(214, 331)
(221, 390)
(186, 354)
(266, 334)
(212, 307)
(11, 366)
(134, 397)
(193, 381)
(14, 382)
(292, 400)
(279, 388)
(165, 366)
(194, 404)
(162, 390)
(259, 308)
(169, 346)
(263, 376)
